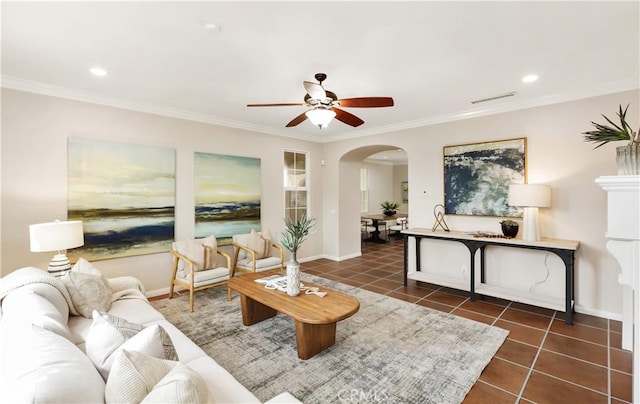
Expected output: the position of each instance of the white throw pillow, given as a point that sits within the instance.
(182, 385)
(109, 334)
(88, 288)
(203, 258)
(134, 375)
(211, 245)
(256, 243)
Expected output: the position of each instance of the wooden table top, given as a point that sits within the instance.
(310, 309)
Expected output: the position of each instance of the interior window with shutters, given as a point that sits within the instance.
(296, 191)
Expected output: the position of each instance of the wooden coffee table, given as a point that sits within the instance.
(315, 317)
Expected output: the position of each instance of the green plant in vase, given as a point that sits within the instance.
(628, 156)
(509, 228)
(389, 208)
(291, 239)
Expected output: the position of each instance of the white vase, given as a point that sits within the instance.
(293, 276)
(628, 159)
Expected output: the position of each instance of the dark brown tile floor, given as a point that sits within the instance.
(543, 360)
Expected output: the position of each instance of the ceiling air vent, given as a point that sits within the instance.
(495, 97)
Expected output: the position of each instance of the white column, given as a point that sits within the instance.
(623, 232)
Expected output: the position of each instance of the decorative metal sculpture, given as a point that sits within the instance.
(438, 213)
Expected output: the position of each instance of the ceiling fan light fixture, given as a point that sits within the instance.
(320, 116)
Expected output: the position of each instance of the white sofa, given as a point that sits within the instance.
(42, 344)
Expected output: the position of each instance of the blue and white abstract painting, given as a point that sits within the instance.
(477, 177)
(125, 196)
(227, 195)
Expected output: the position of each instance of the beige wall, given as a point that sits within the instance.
(557, 155)
(35, 129)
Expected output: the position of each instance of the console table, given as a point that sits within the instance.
(565, 249)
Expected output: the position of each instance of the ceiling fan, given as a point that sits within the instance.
(323, 105)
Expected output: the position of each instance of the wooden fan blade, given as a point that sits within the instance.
(315, 90)
(346, 117)
(297, 120)
(285, 104)
(366, 102)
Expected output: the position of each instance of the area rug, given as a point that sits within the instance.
(389, 351)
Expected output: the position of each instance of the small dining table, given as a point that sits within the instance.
(375, 219)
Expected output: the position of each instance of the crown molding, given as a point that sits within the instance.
(17, 83)
(506, 106)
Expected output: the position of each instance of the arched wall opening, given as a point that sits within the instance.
(349, 202)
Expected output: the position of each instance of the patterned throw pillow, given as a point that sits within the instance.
(88, 288)
(138, 378)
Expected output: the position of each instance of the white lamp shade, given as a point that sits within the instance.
(320, 116)
(530, 195)
(56, 236)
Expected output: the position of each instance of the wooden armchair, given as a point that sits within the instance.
(256, 259)
(198, 265)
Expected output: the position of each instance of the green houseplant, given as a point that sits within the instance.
(291, 239)
(628, 156)
(389, 208)
(509, 228)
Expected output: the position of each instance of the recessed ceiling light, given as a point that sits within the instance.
(98, 71)
(529, 78)
(211, 27)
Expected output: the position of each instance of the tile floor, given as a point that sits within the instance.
(543, 360)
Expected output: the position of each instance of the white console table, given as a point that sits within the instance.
(623, 232)
(565, 249)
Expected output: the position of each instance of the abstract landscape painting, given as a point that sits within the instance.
(125, 196)
(227, 195)
(477, 177)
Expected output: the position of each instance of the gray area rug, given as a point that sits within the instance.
(389, 351)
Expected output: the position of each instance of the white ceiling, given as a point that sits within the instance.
(433, 58)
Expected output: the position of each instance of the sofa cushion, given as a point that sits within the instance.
(89, 289)
(43, 367)
(109, 334)
(269, 262)
(25, 305)
(223, 387)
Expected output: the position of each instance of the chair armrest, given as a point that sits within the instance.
(178, 256)
(247, 249)
(227, 257)
(280, 250)
(237, 253)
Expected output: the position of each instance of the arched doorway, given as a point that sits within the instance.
(349, 174)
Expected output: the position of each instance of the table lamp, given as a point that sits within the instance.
(56, 236)
(530, 197)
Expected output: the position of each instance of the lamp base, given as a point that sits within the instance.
(530, 227)
(59, 265)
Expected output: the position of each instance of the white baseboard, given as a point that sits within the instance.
(342, 258)
(598, 313)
